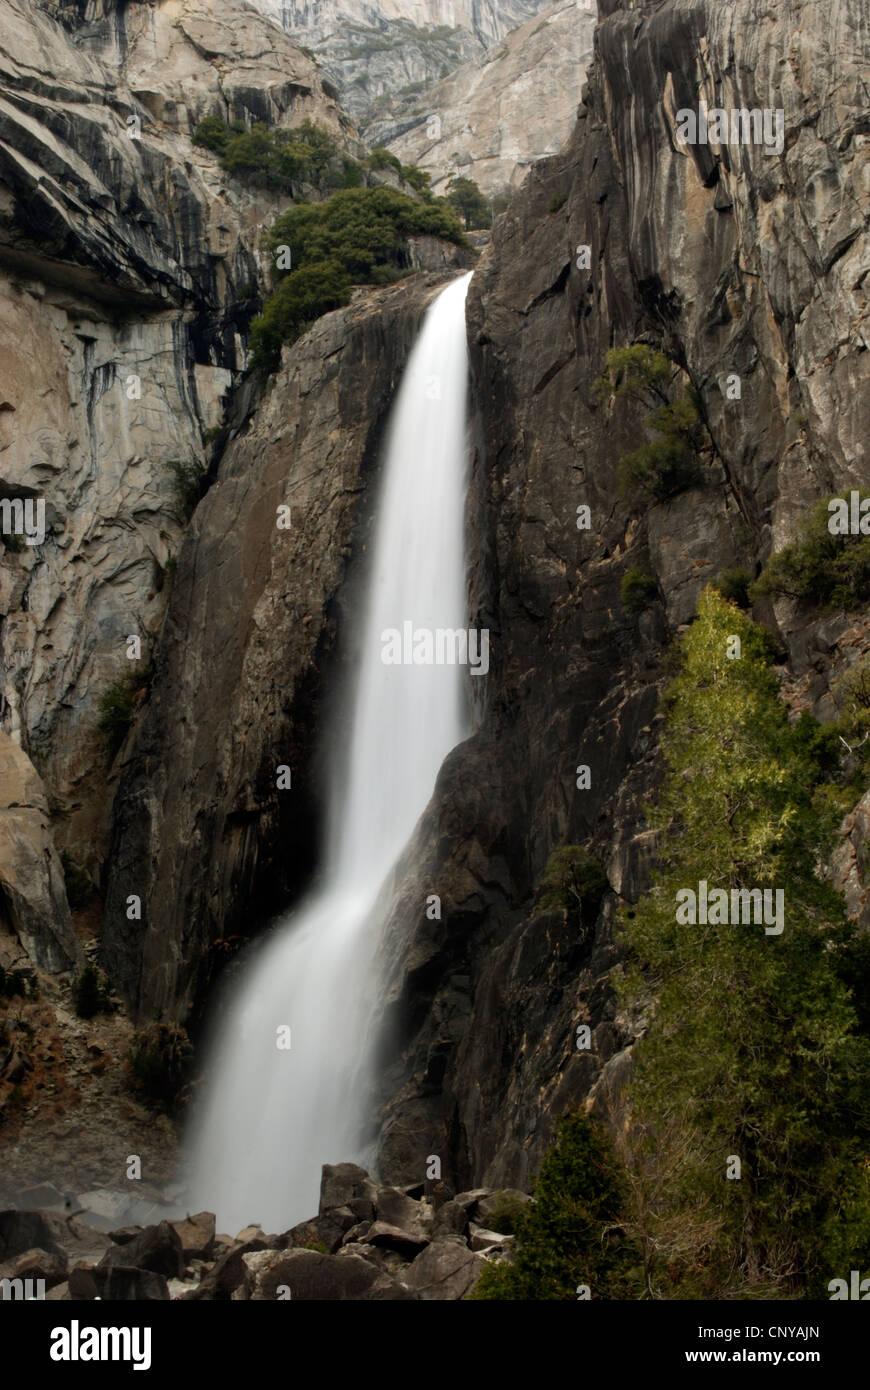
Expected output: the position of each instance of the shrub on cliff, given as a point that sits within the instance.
(668, 463)
(571, 1235)
(119, 703)
(819, 568)
(755, 1050)
(158, 1062)
(574, 883)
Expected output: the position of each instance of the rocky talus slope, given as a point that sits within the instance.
(368, 1243)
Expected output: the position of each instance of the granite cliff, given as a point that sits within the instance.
(737, 260)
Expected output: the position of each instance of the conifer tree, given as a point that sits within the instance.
(754, 1050)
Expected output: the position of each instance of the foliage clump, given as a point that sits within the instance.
(464, 195)
(92, 993)
(358, 237)
(669, 462)
(756, 1049)
(119, 703)
(820, 569)
(574, 883)
(637, 590)
(572, 1233)
(158, 1062)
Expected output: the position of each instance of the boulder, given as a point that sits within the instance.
(503, 1203)
(313, 1277)
(343, 1183)
(450, 1220)
(445, 1270)
(328, 1229)
(228, 1275)
(123, 1284)
(397, 1209)
(196, 1234)
(156, 1248)
(394, 1238)
(83, 1283)
(482, 1239)
(37, 1264)
(21, 1231)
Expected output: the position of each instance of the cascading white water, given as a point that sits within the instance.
(272, 1116)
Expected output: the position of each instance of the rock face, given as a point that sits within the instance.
(374, 49)
(33, 905)
(201, 831)
(124, 260)
(497, 115)
(739, 262)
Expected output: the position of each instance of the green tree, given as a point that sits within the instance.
(668, 463)
(465, 196)
(820, 568)
(574, 883)
(572, 1233)
(755, 1048)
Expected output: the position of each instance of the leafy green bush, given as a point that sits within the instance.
(419, 180)
(637, 590)
(92, 994)
(734, 585)
(820, 569)
(299, 300)
(118, 704)
(280, 159)
(358, 237)
(158, 1060)
(571, 1234)
(505, 1213)
(667, 464)
(573, 882)
(382, 158)
(188, 480)
(557, 202)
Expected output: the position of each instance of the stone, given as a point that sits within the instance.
(124, 1284)
(22, 1231)
(482, 1239)
(394, 1238)
(311, 1276)
(83, 1282)
(196, 1234)
(38, 1264)
(445, 1270)
(156, 1248)
(341, 1183)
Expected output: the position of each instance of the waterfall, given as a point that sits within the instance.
(272, 1115)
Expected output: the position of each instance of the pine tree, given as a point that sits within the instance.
(754, 1051)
